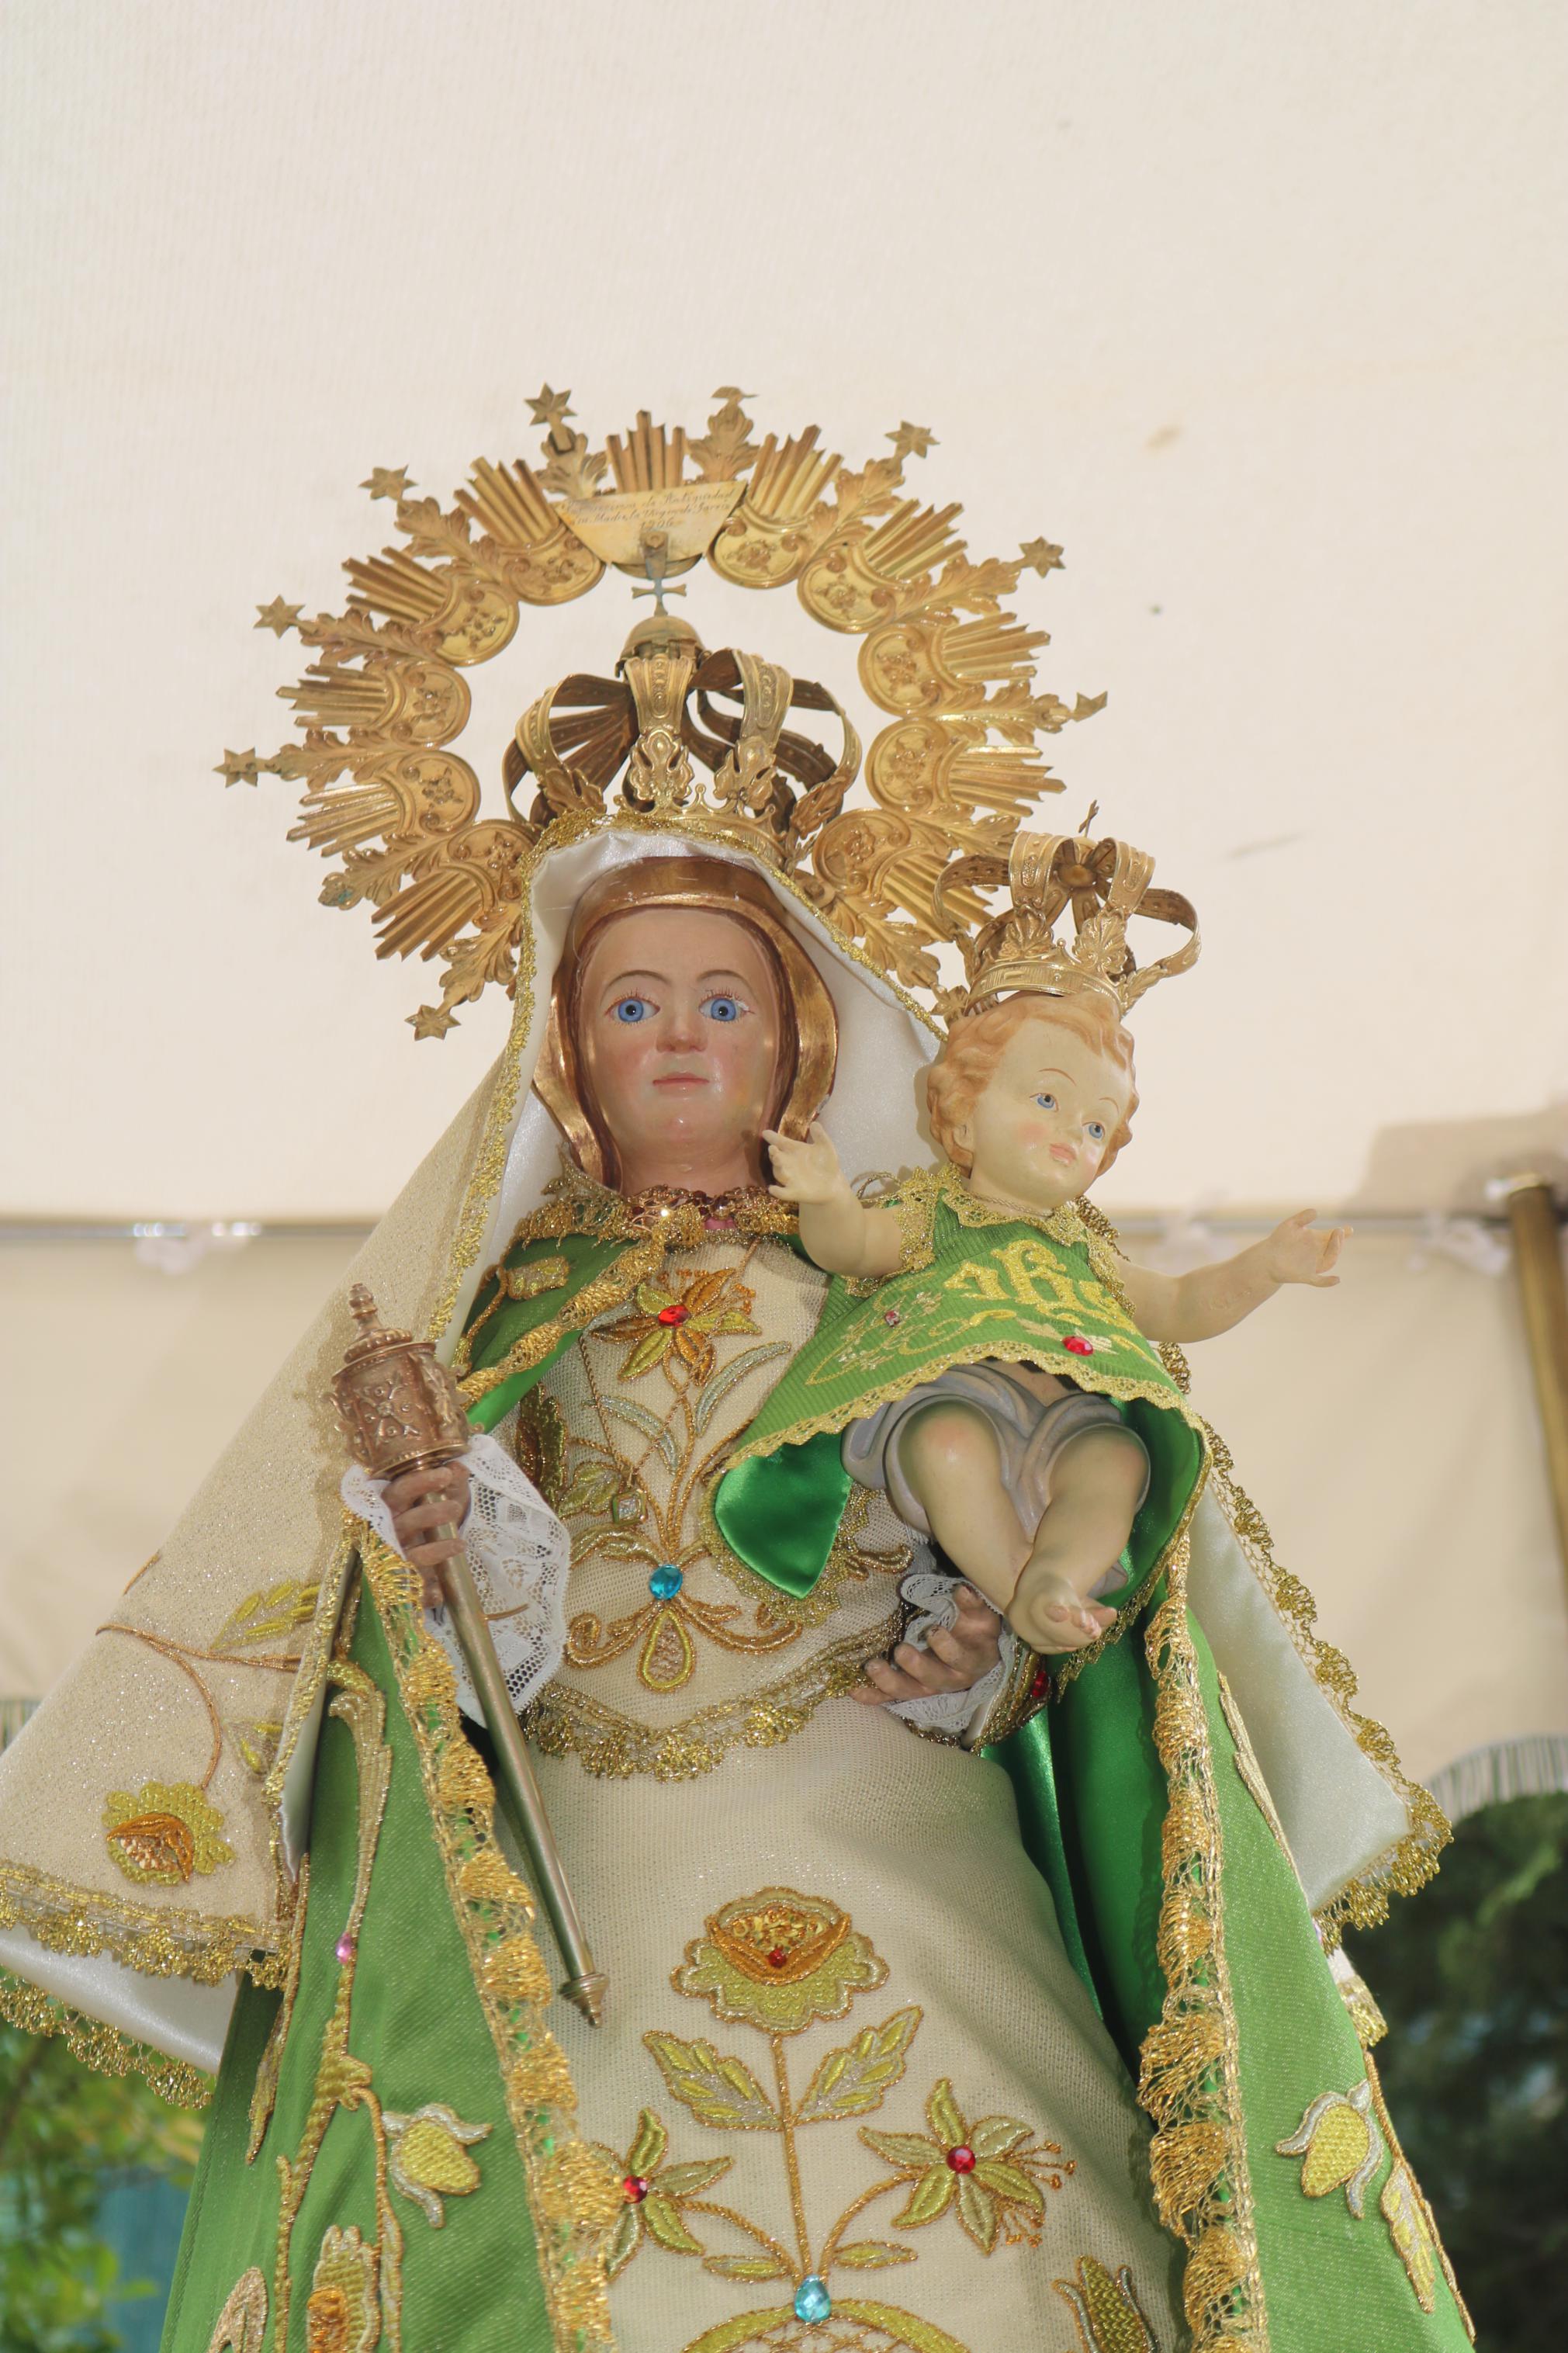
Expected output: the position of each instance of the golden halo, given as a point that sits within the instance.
(954, 771)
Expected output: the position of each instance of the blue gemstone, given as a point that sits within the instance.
(812, 2301)
(666, 1581)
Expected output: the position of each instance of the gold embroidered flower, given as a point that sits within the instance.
(341, 2314)
(681, 1315)
(1340, 2144)
(427, 2157)
(165, 1832)
(778, 1961)
(1106, 2310)
(653, 2193)
(991, 2170)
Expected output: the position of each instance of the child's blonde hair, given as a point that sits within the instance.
(959, 1076)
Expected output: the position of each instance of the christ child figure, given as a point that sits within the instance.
(1028, 1480)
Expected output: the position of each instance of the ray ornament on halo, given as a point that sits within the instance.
(1008, 1966)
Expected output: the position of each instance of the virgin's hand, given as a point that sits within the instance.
(805, 1172)
(420, 1502)
(959, 1657)
(1295, 1253)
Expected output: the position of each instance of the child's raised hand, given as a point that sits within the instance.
(805, 1172)
(1295, 1253)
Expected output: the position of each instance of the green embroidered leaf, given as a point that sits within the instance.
(654, 1293)
(664, 2223)
(618, 1543)
(911, 2152)
(650, 1350)
(680, 2181)
(853, 2081)
(722, 1320)
(747, 2267)
(978, 2212)
(650, 2144)
(623, 2243)
(719, 2092)
(589, 1489)
(932, 2196)
(1006, 2181)
(627, 1409)
(873, 2254)
(941, 2110)
(750, 1360)
(995, 2136)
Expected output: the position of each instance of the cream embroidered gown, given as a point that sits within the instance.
(843, 2037)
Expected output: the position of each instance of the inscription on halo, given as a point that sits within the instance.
(614, 526)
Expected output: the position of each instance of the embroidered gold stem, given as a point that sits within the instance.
(754, 2230)
(792, 2156)
(172, 1652)
(866, 2198)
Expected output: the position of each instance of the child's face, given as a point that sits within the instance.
(1040, 1130)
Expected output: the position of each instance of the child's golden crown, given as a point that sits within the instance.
(1105, 883)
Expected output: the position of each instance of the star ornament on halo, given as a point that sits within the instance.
(238, 768)
(1045, 556)
(550, 408)
(912, 440)
(278, 616)
(388, 482)
(432, 1021)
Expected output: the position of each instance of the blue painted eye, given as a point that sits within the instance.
(1097, 1131)
(1047, 1103)
(631, 1009)
(724, 1009)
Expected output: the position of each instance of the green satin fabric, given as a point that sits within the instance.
(514, 1321)
(780, 1512)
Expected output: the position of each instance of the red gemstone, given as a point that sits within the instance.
(675, 1314)
(961, 2160)
(778, 1957)
(635, 2188)
(1040, 1683)
(1077, 1346)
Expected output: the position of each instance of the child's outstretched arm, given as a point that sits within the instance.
(839, 1232)
(1212, 1299)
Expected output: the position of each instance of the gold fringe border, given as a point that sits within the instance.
(1189, 2073)
(1412, 1860)
(162, 1944)
(101, 2047)
(573, 2199)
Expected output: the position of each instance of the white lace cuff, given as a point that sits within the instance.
(519, 1554)
(954, 1713)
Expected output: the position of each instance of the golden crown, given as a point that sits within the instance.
(1105, 883)
(953, 775)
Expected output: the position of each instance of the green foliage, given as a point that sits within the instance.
(65, 2133)
(1472, 1975)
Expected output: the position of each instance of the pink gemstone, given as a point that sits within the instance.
(635, 2188)
(1077, 1346)
(674, 1314)
(347, 1948)
(891, 1315)
(961, 2160)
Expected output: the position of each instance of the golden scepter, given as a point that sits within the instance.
(400, 1410)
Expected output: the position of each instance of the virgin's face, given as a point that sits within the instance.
(679, 1037)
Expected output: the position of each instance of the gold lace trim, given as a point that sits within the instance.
(102, 2048)
(1412, 1860)
(567, 2190)
(565, 1722)
(1189, 2073)
(162, 1943)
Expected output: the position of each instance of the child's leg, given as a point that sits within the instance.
(949, 1455)
(1097, 1483)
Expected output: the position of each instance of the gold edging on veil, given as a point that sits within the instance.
(1405, 1866)
(102, 2048)
(572, 2197)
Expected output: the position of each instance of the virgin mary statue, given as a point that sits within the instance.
(1007, 2014)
